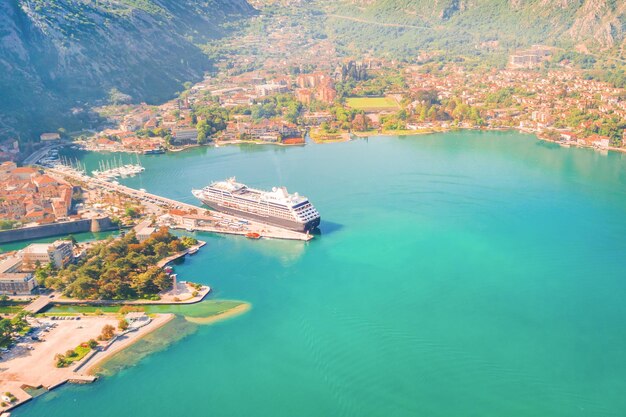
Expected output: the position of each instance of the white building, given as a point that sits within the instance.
(269, 89)
(59, 253)
(145, 232)
(12, 280)
(49, 137)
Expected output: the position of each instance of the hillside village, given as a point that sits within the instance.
(283, 101)
(282, 81)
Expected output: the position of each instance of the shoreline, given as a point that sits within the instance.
(219, 143)
(341, 137)
(537, 135)
(92, 369)
(225, 315)
(87, 370)
(100, 357)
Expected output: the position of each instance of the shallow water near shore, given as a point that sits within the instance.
(173, 331)
(458, 274)
(80, 238)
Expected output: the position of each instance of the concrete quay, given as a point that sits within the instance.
(264, 231)
(211, 220)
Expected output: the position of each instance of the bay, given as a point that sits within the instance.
(459, 274)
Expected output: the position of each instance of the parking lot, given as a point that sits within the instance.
(31, 360)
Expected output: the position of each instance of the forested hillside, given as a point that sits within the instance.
(403, 26)
(58, 54)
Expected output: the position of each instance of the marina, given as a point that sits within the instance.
(176, 214)
(110, 170)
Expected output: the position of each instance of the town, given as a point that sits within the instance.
(40, 348)
(277, 84)
(283, 102)
(122, 224)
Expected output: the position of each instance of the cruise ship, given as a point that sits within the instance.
(276, 207)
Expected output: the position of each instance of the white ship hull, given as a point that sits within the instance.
(274, 221)
(276, 207)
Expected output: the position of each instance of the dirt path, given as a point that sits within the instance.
(370, 22)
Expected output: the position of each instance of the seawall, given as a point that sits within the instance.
(57, 229)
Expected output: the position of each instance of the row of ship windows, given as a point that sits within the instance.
(309, 211)
(305, 213)
(251, 202)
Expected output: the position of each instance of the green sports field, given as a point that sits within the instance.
(372, 103)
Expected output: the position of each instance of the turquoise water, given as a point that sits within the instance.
(80, 237)
(466, 274)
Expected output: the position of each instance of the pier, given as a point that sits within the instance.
(189, 217)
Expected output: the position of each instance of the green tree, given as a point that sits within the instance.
(122, 325)
(7, 224)
(203, 132)
(161, 249)
(108, 332)
(432, 114)
(117, 97)
(131, 212)
(423, 114)
(72, 239)
(188, 241)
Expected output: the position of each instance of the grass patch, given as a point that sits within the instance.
(319, 136)
(74, 355)
(12, 307)
(372, 103)
(206, 308)
(202, 309)
(81, 351)
(71, 309)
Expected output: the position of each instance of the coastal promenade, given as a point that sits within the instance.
(33, 365)
(212, 220)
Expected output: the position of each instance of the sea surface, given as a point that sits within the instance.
(460, 274)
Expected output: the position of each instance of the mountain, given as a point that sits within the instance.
(58, 54)
(596, 24)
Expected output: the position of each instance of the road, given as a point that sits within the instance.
(371, 22)
(38, 304)
(37, 155)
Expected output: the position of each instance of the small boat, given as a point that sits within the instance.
(155, 151)
(192, 251)
(253, 235)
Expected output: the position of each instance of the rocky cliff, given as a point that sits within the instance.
(597, 23)
(57, 54)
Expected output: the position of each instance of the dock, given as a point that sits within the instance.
(210, 221)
